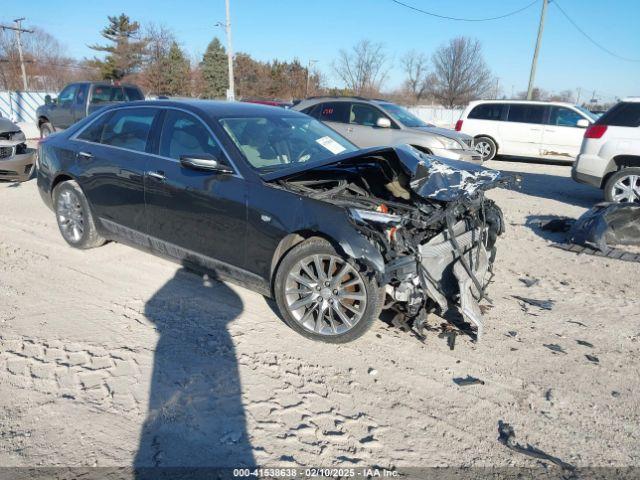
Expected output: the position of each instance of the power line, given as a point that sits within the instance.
(588, 37)
(458, 19)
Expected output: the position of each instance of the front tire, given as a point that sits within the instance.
(325, 296)
(623, 186)
(74, 217)
(486, 147)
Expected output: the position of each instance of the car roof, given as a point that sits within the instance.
(523, 102)
(216, 108)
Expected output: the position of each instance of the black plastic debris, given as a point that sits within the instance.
(607, 225)
(507, 437)
(593, 358)
(542, 304)
(554, 347)
(468, 380)
(584, 344)
(530, 282)
(576, 322)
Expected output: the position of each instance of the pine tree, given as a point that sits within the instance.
(215, 70)
(178, 71)
(125, 53)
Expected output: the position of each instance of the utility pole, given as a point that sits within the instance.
(18, 29)
(579, 93)
(534, 63)
(310, 64)
(231, 96)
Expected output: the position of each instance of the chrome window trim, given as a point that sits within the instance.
(157, 107)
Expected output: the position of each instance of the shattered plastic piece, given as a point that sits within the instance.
(507, 437)
(554, 347)
(585, 344)
(593, 358)
(530, 282)
(606, 225)
(468, 380)
(543, 304)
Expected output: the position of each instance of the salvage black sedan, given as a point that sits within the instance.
(277, 202)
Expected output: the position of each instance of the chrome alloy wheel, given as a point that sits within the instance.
(71, 216)
(627, 189)
(325, 294)
(483, 148)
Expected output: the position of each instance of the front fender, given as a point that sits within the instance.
(334, 223)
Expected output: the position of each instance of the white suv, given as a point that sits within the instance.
(610, 153)
(545, 130)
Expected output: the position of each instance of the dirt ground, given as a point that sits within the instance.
(113, 357)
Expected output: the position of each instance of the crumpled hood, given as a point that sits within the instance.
(430, 177)
(7, 126)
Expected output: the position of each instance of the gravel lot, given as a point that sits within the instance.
(113, 357)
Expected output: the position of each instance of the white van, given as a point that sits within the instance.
(546, 130)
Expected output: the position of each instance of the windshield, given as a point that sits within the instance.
(588, 113)
(403, 115)
(274, 143)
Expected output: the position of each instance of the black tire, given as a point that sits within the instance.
(46, 129)
(74, 217)
(373, 297)
(490, 148)
(611, 191)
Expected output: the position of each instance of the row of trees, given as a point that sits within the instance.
(453, 75)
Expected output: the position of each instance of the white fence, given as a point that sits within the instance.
(440, 116)
(20, 108)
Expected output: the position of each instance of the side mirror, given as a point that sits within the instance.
(583, 123)
(48, 100)
(383, 122)
(204, 162)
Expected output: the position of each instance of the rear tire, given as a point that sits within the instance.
(74, 217)
(46, 129)
(486, 147)
(336, 303)
(623, 186)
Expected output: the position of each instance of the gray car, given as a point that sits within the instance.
(372, 123)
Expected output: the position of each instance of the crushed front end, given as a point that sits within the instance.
(428, 217)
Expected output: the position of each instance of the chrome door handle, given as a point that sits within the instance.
(157, 175)
(85, 155)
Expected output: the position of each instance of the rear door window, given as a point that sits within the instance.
(622, 115)
(487, 111)
(522, 113)
(93, 133)
(564, 117)
(107, 93)
(129, 128)
(133, 94)
(335, 112)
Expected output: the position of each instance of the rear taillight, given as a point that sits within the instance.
(459, 126)
(595, 131)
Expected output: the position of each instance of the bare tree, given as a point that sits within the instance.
(416, 69)
(460, 73)
(153, 77)
(363, 69)
(47, 65)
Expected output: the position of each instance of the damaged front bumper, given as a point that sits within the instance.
(18, 167)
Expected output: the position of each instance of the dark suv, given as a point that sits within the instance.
(77, 100)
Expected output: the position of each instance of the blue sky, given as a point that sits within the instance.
(318, 29)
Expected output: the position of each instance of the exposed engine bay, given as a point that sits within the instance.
(427, 216)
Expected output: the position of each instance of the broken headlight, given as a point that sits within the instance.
(364, 216)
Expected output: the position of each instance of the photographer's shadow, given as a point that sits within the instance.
(195, 416)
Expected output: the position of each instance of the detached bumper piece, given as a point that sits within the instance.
(455, 264)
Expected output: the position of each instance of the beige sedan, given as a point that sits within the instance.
(17, 161)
